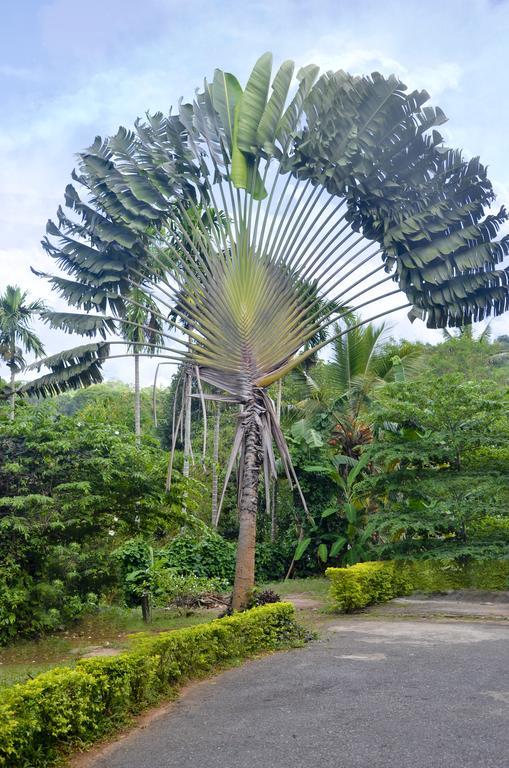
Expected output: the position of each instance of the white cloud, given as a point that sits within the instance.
(445, 75)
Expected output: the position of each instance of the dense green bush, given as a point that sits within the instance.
(69, 489)
(209, 556)
(443, 575)
(213, 557)
(273, 560)
(65, 707)
(367, 583)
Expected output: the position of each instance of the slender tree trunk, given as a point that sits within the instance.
(12, 396)
(146, 607)
(275, 484)
(187, 424)
(248, 507)
(137, 399)
(215, 463)
(187, 430)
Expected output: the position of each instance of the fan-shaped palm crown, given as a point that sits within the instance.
(331, 191)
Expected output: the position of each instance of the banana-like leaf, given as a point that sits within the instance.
(226, 93)
(252, 105)
(266, 131)
(84, 324)
(301, 548)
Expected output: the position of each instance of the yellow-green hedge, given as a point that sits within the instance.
(442, 575)
(67, 707)
(366, 583)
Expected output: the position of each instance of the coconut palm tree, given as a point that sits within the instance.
(340, 391)
(337, 182)
(16, 335)
(360, 364)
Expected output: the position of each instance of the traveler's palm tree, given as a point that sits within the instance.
(338, 189)
(16, 335)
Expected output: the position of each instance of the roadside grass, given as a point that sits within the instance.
(313, 616)
(314, 588)
(110, 627)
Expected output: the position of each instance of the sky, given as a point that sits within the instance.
(72, 71)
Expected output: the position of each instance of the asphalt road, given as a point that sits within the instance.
(371, 694)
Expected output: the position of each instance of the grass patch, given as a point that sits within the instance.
(110, 626)
(314, 588)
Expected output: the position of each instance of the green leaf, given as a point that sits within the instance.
(239, 171)
(301, 548)
(266, 132)
(329, 511)
(352, 475)
(226, 94)
(252, 104)
(244, 170)
(302, 431)
(322, 552)
(350, 512)
(289, 121)
(337, 546)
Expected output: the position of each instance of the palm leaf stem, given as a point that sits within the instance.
(333, 230)
(299, 229)
(286, 228)
(154, 393)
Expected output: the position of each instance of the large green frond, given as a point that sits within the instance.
(342, 197)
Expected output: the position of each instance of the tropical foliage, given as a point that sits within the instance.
(335, 191)
(17, 338)
(69, 489)
(442, 485)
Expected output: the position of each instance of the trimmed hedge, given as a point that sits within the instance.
(366, 583)
(443, 575)
(64, 707)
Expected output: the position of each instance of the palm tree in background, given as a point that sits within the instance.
(143, 334)
(16, 335)
(466, 333)
(340, 392)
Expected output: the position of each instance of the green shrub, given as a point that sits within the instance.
(31, 607)
(443, 575)
(65, 707)
(210, 556)
(366, 583)
(273, 560)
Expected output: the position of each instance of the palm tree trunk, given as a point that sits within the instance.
(275, 485)
(187, 424)
(215, 468)
(12, 396)
(248, 507)
(137, 399)
(187, 431)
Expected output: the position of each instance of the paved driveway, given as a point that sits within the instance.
(373, 693)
